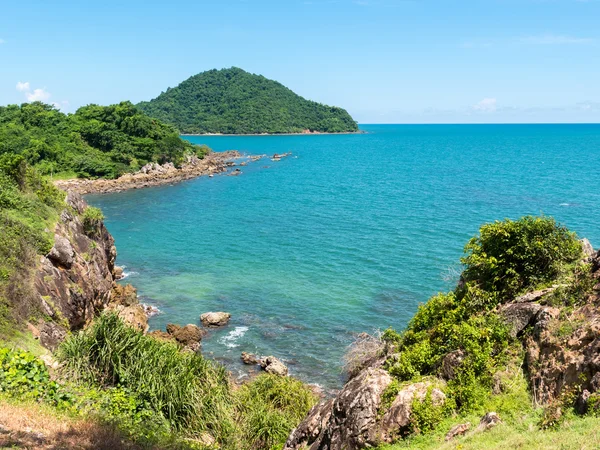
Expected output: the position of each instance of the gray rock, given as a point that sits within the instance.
(350, 421)
(250, 359)
(62, 253)
(274, 366)
(519, 315)
(76, 201)
(488, 421)
(586, 246)
(457, 430)
(51, 335)
(215, 319)
(450, 363)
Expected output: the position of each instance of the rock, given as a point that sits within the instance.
(150, 310)
(488, 421)
(519, 315)
(189, 335)
(588, 250)
(309, 432)
(581, 403)
(535, 296)
(76, 201)
(162, 336)
(125, 295)
(172, 328)
(544, 318)
(62, 252)
(347, 422)
(51, 335)
(250, 359)
(215, 319)
(118, 273)
(457, 430)
(132, 315)
(397, 418)
(450, 363)
(272, 365)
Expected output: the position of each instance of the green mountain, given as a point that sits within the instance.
(232, 101)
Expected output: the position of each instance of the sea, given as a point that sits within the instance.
(348, 235)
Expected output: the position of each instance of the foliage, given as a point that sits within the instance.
(234, 101)
(510, 256)
(92, 217)
(29, 206)
(22, 374)
(96, 141)
(506, 258)
(270, 407)
(185, 387)
(425, 414)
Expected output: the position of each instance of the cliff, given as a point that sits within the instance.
(76, 280)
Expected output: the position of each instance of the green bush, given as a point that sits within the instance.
(270, 407)
(92, 217)
(425, 415)
(510, 256)
(186, 388)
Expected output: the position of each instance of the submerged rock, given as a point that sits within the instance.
(215, 319)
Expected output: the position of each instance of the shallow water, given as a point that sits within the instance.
(347, 235)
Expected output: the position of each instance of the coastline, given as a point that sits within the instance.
(312, 133)
(154, 175)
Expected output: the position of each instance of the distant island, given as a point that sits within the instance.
(233, 101)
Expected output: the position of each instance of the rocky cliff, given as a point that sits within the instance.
(76, 280)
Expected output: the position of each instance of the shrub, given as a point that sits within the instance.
(187, 389)
(425, 415)
(92, 217)
(270, 407)
(510, 256)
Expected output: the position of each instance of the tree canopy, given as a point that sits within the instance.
(232, 101)
(96, 141)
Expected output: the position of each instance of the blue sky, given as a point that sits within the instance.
(386, 61)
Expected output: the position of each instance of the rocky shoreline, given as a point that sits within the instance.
(154, 175)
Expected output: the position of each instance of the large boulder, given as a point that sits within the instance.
(189, 335)
(215, 319)
(350, 421)
(519, 315)
(62, 252)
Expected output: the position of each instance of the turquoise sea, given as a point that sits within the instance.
(348, 235)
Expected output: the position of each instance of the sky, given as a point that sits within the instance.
(385, 61)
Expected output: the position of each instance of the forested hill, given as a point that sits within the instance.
(95, 142)
(232, 101)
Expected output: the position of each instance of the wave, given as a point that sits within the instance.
(230, 340)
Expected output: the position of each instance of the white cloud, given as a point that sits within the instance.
(38, 95)
(554, 39)
(23, 87)
(487, 105)
(61, 105)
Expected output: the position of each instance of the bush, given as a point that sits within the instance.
(186, 388)
(510, 256)
(271, 406)
(92, 217)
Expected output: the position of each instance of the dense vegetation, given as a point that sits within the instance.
(96, 141)
(156, 393)
(29, 207)
(506, 259)
(234, 101)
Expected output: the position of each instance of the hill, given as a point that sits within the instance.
(232, 101)
(95, 142)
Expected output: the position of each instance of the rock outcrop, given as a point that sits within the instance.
(215, 319)
(272, 365)
(356, 418)
(188, 336)
(76, 280)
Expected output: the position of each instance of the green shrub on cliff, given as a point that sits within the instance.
(506, 259)
(511, 256)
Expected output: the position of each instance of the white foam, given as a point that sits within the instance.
(230, 340)
(565, 204)
(127, 274)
